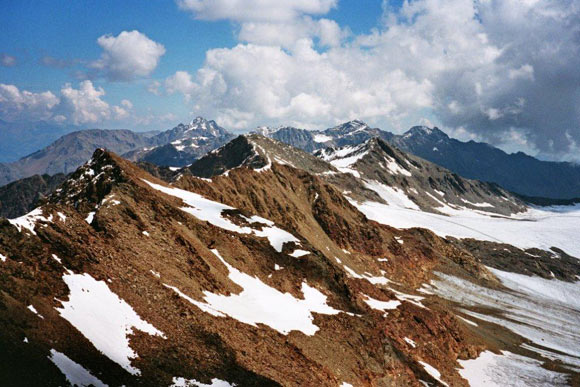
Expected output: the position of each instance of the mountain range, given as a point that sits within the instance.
(176, 147)
(261, 264)
(531, 178)
(516, 172)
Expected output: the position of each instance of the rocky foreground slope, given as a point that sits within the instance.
(259, 273)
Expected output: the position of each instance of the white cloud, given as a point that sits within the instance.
(16, 104)
(180, 82)
(84, 105)
(286, 34)
(77, 106)
(129, 55)
(266, 84)
(485, 67)
(255, 10)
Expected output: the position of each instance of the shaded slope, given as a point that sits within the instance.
(21, 196)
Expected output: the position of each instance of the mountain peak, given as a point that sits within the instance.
(349, 127)
(423, 131)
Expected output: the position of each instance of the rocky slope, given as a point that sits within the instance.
(134, 282)
(373, 170)
(399, 176)
(70, 151)
(183, 144)
(259, 271)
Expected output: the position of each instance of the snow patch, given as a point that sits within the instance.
(410, 342)
(103, 318)
(381, 305)
(75, 373)
(508, 369)
(392, 195)
(299, 253)
(90, 217)
(433, 372)
(33, 310)
(29, 220)
(395, 168)
(260, 303)
(182, 382)
(210, 211)
(322, 138)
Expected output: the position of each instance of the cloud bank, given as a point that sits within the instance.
(500, 71)
(76, 106)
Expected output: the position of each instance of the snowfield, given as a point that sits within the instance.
(508, 370)
(523, 309)
(540, 227)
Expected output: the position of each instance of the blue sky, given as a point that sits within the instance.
(480, 70)
(68, 31)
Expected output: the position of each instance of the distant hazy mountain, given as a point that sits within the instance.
(18, 139)
(68, 152)
(516, 172)
(183, 144)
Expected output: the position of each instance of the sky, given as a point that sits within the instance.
(505, 72)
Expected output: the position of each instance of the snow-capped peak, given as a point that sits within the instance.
(349, 127)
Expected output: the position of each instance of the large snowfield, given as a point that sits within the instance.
(540, 227)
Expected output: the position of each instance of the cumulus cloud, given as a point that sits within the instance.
(255, 10)
(303, 85)
(129, 55)
(83, 105)
(496, 70)
(16, 104)
(272, 22)
(7, 60)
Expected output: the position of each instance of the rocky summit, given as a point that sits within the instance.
(260, 264)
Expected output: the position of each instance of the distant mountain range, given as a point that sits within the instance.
(183, 144)
(68, 152)
(18, 139)
(516, 172)
(186, 143)
(176, 147)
